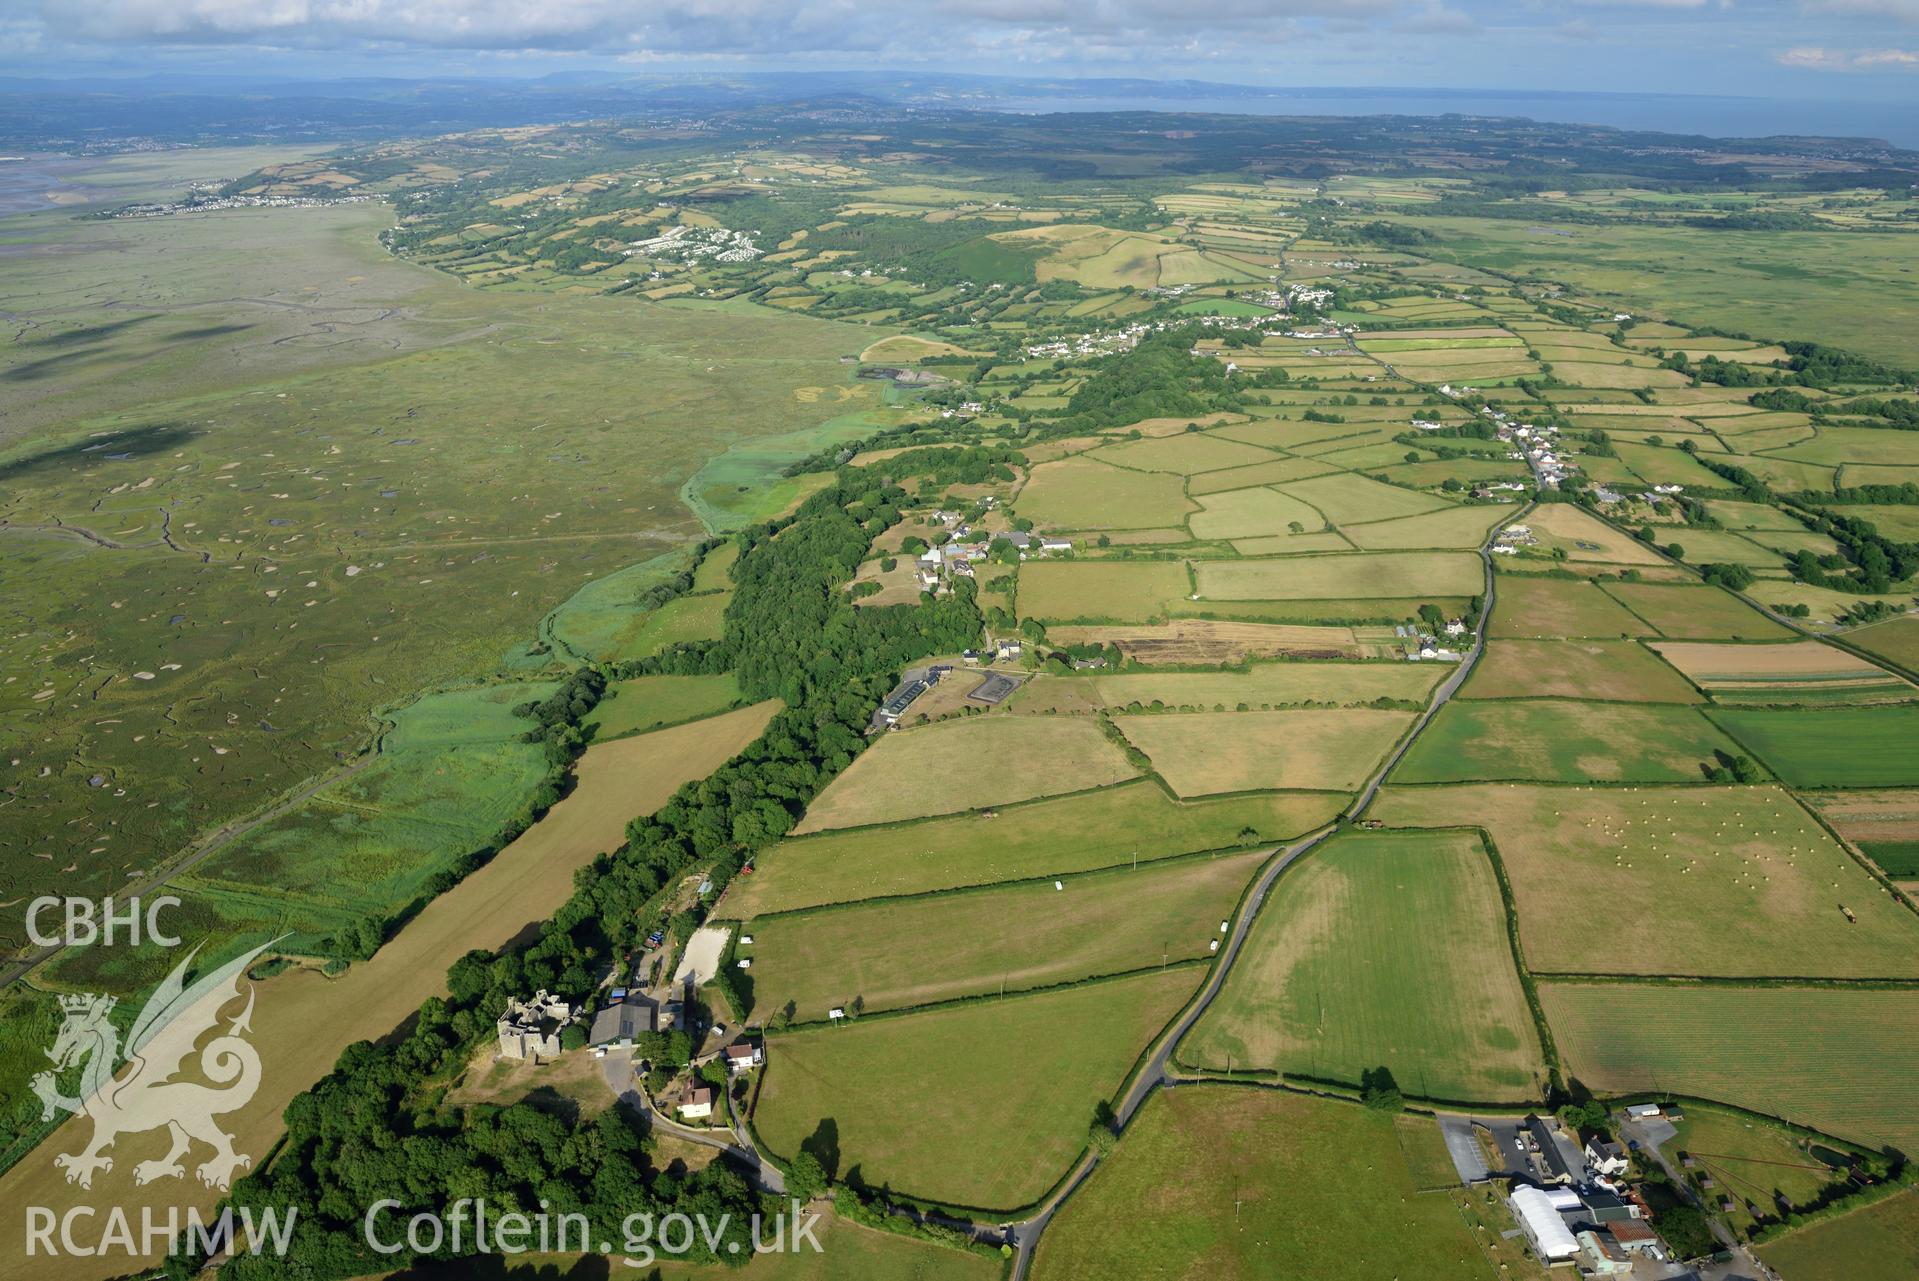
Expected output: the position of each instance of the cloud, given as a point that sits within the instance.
(1815, 58)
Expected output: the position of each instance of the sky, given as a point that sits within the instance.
(1830, 49)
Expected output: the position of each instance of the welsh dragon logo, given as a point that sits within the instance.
(148, 1097)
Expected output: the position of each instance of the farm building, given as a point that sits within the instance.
(616, 1026)
(900, 699)
(1545, 1230)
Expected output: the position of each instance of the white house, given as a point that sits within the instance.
(696, 1105)
(743, 1056)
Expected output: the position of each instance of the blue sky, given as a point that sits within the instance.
(1864, 49)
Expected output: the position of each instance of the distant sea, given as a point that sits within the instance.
(1897, 123)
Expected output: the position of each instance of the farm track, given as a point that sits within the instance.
(1157, 1072)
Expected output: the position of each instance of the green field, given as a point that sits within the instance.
(1465, 527)
(1768, 1049)
(1346, 498)
(1349, 968)
(1877, 1243)
(1253, 513)
(1036, 934)
(1754, 1161)
(1725, 881)
(1897, 641)
(1042, 838)
(1182, 455)
(967, 764)
(982, 1105)
(1084, 493)
(1831, 747)
(1562, 741)
(1373, 574)
(1239, 1183)
(1100, 591)
(652, 702)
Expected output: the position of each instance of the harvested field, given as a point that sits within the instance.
(1767, 1049)
(1584, 537)
(1612, 671)
(1208, 753)
(1688, 611)
(1726, 881)
(1100, 591)
(1049, 838)
(1562, 741)
(993, 760)
(1344, 972)
(1208, 642)
(1265, 685)
(1537, 607)
(980, 1105)
(1882, 825)
(1084, 493)
(1792, 672)
(1292, 544)
(1831, 747)
(1012, 938)
(1378, 574)
(1245, 1184)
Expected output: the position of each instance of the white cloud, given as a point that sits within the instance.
(1817, 58)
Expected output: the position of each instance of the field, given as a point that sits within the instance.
(1688, 612)
(1768, 1049)
(1584, 537)
(1607, 670)
(1563, 741)
(1045, 838)
(1538, 607)
(1253, 513)
(1263, 685)
(967, 764)
(1084, 493)
(1374, 574)
(1896, 641)
(1794, 672)
(1381, 950)
(1008, 939)
(1831, 747)
(303, 1020)
(1240, 1183)
(1182, 455)
(1754, 1161)
(1884, 825)
(1348, 499)
(1206, 641)
(650, 702)
(1100, 591)
(1877, 1243)
(1724, 881)
(1211, 752)
(1462, 527)
(981, 1105)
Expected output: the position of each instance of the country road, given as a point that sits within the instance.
(1156, 1071)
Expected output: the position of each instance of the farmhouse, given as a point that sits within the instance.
(743, 1056)
(531, 1029)
(1545, 1230)
(1606, 1156)
(696, 1104)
